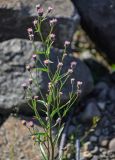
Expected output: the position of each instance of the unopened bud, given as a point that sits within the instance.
(53, 21)
(70, 71)
(33, 137)
(73, 64)
(60, 64)
(72, 80)
(30, 31)
(24, 122)
(35, 22)
(28, 67)
(40, 12)
(24, 85)
(58, 120)
(34, 56)
(30, 81)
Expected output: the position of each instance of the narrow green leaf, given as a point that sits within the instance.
(41, 69)
(43, 152)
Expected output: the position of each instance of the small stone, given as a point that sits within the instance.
(112, 145)
(91, 111)
(97, 132)
(101, 105)
(96, 149)
(103, 141)
(95, 158)
(112, 94)
(93, 139)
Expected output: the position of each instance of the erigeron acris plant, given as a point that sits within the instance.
(52, 100)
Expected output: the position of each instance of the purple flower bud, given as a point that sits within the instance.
(60, 64)
(72, 80)
(52, 37)
(35, 22)
(31, 37)
(24, 122)
(30, 81)
(66, 43)
(34, 56)
(73, 64)
(31, 124)
(50, 9)
(38, 6)
(70, 71)
(36, 98)
(53, 21)
(30, 31)
(40, 12)
(47, 61)
(24, 85)
(28, 67)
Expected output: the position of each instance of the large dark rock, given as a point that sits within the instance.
(98, 19)
(15, 54)
(17, 15)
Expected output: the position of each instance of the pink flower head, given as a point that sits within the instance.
(30, 31)
(31, 124)
(24, 86)
(47, 61)
(60, 64)
(66, 43)
(52, 37)
(53, 21)
(40, 12)
(79, 83)
(73, 64)
(50, 9)
(34, 56)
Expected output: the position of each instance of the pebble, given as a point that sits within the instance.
(112, 145)
(93, 139)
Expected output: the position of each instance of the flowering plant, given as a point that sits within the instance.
(52, 100)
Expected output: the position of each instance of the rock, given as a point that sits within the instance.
(16, 141)
(17, 16)
(96, 149)
(15, 54)
(97, 18)
(101, 105)
(112, 94)
(112, 145)
(101, 91)
(91, 110)
(103, 141)
(93, 138)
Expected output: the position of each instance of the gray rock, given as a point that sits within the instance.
(14, 56)
(91, 110)
(101, 105)
(101, 91)
(17, 16)
(96, 149)
(97, 132)
(112, 145)
(103, 141)
(112, 94)
(97, 18)
(93, 138)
